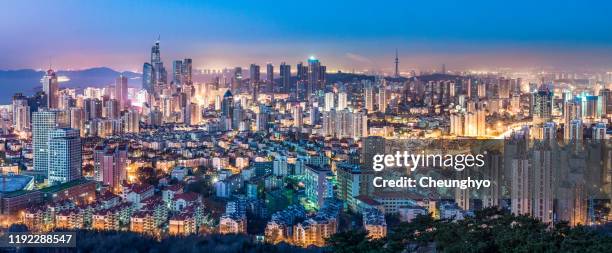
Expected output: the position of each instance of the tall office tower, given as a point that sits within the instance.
(187, 71)
(369, 98)
(541, 106)
(382, 99)
(237, 79)
(237, 117)
(397, 73)
(21, 113)
(298, 116)
(302, 72)
(148, 78)
(155, 53)
(575, 130)
(270, 76)
(285, 76)
(254, 76)
(599, 131)
(43, 122)
(110, 165)
(342, 101)
(65, 158)
(329, 101)
(316, 76)
(121, 92)
(50, 87)
(158, 66)
(177, 72)
(227, 105)
(314, 116)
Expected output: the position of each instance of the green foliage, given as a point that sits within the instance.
(490, 230)
(354, 241)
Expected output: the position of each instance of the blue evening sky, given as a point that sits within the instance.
(343, 34)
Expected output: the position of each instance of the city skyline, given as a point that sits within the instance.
(346, 36)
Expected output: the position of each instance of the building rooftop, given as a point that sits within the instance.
(13, 183)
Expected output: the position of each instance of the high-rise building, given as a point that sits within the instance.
(50, 87)
(254, 76)
(110, 165)
(270, 76)
(43, 122)
(369, 98)
(131, 121)
(298, 120)
(21, 113)
(382, 99)
(177, 72)
(121, 92)
(237, 79)
(148, 78)
(316, 76)
(285, 76)
(160, 71)
(575, 130)
(329, 101)
(599, 131)
(541, 106)
(187, 71)
(342, 101)
(65, 158)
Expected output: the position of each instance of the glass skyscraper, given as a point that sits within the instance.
(65, 159)
(43, 122)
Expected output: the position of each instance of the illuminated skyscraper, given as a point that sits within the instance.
(369, 97)
(599, 131)
(177, 72)
(541, 106)
(329, 101)
(316, 76)
(270, 76)
(43, 122)
(50, 86)
(121, 92)
(285, 76)
(187, 71)
(21, 113)
(254, 76)
(148, 78)
(65, 159)
(342, 101)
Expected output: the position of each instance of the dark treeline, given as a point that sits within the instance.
(490, 230)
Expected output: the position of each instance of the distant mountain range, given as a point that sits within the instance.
(27, 81)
